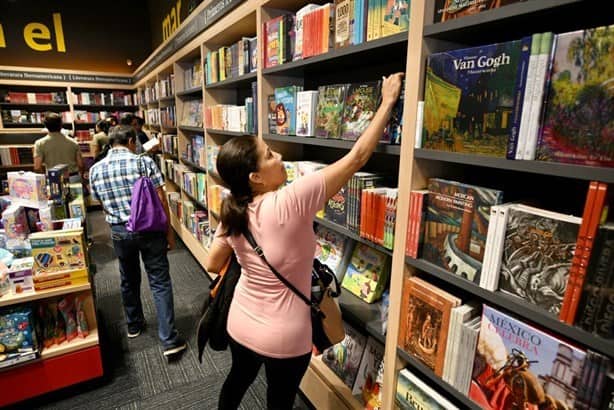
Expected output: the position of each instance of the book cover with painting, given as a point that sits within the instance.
(457, 220)
(425, 319)
(473, 98)
(370, 377)
(451, 9)
(367, 273)
(344, 357)
(579, 118)
(519, 366)
(361, 103)
(538, 249)
(329, 113)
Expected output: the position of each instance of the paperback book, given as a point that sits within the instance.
(414, 394)
(333, 250)
(344, 357)
(331, 99)
(367, 273)
(370, 377)
(361, 103)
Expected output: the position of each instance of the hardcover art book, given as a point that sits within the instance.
(473, 98)
(367, 273)
(457, 220)
(579, 118)
(425, 319)
(537, 253)
(519, 366)
(360, 105)
(331, 99)
(344, 357)
(451, 9)
(370, 377)
(414, 394)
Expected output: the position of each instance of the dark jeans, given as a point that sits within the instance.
(283, 378)
(151, 246)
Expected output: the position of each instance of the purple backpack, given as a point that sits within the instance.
(146, 211)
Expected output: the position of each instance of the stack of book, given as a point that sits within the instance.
(192, 76)
(15, 97)
(165, 86)
(167, 117)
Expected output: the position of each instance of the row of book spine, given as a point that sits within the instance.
(30, 117)
(16, 97)
(231, 62)
(168, 116)
(16, 155)
(103, 98)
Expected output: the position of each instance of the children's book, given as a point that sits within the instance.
(331, 100)
(367, 273)
(306, 103)
(333, 249)
(361, 103)
(370, 377)
(344, 357)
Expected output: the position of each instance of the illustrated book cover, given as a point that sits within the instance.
(473, 98)
(451, 9)
(537, 255)
(285, 110)
(367, 273)
(331, 99)
(370, 377)
(333, 249)
(344, 357)
(579, 119)
(456, 226)
(361, 103)
(518, 363)
(425, 321)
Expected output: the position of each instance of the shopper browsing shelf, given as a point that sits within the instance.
(267, 323)
(101, 138)
(56, 148)
(112, 180)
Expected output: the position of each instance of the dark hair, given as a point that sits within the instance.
(53, 122)
(126, 119)
(122, 134)
(112, 120)
(237, 159)
(103, 126)
(140, 121)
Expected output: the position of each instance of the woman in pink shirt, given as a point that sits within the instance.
(267, 323)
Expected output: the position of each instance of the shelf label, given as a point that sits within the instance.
(62, 77)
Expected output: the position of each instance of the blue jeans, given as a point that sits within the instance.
(152, 247)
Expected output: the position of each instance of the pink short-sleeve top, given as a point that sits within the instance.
(265, 316)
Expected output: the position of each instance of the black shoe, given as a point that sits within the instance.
(175, 348)
(135, 330)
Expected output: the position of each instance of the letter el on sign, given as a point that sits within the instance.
(33, 33)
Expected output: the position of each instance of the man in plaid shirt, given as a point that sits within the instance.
(111, 183)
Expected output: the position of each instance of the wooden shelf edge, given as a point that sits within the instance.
(351, 234)
(189, 91)
(518, 308)
(72, 346)
(193, 165)
(8, 300)
(331, 143)
(196, 201)
(230, 82)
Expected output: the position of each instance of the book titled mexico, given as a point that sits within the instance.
(473, 98)
(516, 362)
(457, 220)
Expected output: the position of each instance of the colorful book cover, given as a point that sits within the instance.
(361, 103)
(337, 207)
(472, 97)
(367, 273)
(425, 319)
(331, 99)
(450, 9)
(343, 15)
(579, 117)
(395, 17)
(272, 114)
(519, 366)
(370, 377)
(414, 394)
(344, 357)
(332, 249)
(285, 110)
(306, 102)
(537, 253)
(298, 46)
(456, 226)
(394, 129)
(272, 42)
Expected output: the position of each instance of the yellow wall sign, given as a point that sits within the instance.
(171, 21)
(39, 37)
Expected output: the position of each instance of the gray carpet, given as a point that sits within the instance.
(137, 376)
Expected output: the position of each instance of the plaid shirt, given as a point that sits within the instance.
(112, 180)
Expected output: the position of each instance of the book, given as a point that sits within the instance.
(344, 357)
(594, 311)
(473, 98)
(425, 319)
(343, 16)
(336, 207)
(417, 221)
(370, 377)
(360, 105)
(538, 250)
(298, 47)
(367, 273)
(459, 316)
(414, 394)
(331, 100)
(511, 352)
(395, 17)
(451, 9)
(333, 249)
(575, 129)
(285, 110)
(272, 114)
(306, 103)
(457, 221)
(272, 42)
(394, 129)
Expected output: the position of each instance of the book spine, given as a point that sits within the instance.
(596, 395)
(486, 271)
(604, 322)
(521, 80)
(449, 356)
(512, 148)
(409, 239)
(538, 95)
(545, 102)
(499, 243)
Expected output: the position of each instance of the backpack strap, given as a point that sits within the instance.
(250, 238)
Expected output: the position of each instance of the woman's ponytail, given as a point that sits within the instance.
(234, 214)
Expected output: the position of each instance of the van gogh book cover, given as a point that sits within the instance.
(473, 98)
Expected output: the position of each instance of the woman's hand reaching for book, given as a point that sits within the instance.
(391, 88)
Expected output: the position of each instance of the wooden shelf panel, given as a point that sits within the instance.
(226, 133)
(351, 234)
(362, 315)
(190, 92)
(198, 251)
(449, 390)
(337, 385)
(74, 345)
(166, 99)
(517, 308)
(331, 143)
(349, 54)
(534, 167)
(236, 82)
(9, 299)
(193, 165)
(51, 106)
(190, 128)
(105, 107)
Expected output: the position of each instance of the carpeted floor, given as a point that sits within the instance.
(137, 376)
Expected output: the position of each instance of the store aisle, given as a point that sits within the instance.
(137, 375)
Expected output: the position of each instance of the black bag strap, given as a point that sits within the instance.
(250, 238)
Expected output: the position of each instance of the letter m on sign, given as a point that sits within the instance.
(166, 27)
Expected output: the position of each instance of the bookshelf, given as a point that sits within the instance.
(330, 143)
